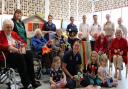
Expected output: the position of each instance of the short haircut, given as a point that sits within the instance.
(94, 15)
(71, 17)
(37, 30)
(50, 16)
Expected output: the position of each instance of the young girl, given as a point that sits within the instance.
(91, 74)
(92, 67)
(57, 76)
(103, 73)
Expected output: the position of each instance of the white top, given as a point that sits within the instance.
(11, 41)
(124, 30)
(84, 28)
(109, 28)
(103, 71)
(95, 29)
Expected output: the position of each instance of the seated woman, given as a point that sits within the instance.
(119, 50)
(14, 48)
(59, 43)
(101, 44)
(37, 43)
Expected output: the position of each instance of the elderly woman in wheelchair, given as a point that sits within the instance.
(15, 51)
(42, 48)
(118, 49)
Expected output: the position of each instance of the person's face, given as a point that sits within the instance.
(104, 62)
(94, 57)
(18, 15)
(118, 34)
(38, 35)
(72, 20)
(50, 19)
(8, 29)
(58, 64)
(84, 18)
(102, 35)
(119, 21)
(107, 17)
(76, 48)
(95, 18)
(58, 33)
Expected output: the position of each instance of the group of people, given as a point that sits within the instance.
(63, 60)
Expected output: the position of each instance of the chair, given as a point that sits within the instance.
(7, 73)
(110, 61)
(127, 66)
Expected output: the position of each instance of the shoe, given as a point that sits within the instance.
(28, 87)
(36, 84)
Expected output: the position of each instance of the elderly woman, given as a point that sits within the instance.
(101, 44)
(14, 48)
(38, 42)
(119, 50)
(59, 42)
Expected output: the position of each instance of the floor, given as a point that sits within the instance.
(123, 84)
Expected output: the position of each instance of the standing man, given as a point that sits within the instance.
(72, 32)
(94, 32)
(84, 28)
(109, 29)
(122, 27)
(49, 27)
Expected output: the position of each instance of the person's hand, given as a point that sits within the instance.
(115, 51)
(121, 53)
(50, 42)
(62, 83)
(72, 77)
(100, 52)
(22, 50)
(13, 49)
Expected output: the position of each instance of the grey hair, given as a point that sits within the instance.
(102, 32)
(118, 30)
(38, 30)
(6, 22)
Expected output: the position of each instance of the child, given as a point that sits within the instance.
(92, 69)
(103, 73)
(91, 79)
(57, 76)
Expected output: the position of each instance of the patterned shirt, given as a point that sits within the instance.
(57, 75)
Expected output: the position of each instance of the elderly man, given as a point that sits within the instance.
(14, 48)
(119, 48)
(122, 27)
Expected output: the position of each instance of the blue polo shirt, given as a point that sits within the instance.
(49, 27)
(72, 28)
(72, 61)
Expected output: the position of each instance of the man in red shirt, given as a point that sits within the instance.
(119, 49)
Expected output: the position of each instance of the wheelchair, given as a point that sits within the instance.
(8, 75)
